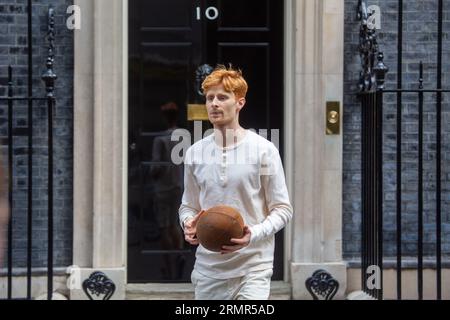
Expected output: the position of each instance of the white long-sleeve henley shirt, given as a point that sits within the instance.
(248, 176)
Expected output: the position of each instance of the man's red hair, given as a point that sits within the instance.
(231, 79)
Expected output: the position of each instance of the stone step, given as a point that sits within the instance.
(185, 291)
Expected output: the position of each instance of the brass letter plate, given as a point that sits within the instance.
(197, 112)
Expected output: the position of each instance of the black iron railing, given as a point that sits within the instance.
(372, 93)
(49, 78)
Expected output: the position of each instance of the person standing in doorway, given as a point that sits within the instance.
(168, 187)
(235, 167)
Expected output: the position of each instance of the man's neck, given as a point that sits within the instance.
(228, 135)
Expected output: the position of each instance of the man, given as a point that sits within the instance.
(234, 167)
(168, 187)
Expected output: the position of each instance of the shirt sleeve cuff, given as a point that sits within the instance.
(183, 220)
(256, 233)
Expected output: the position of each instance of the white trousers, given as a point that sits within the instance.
(253, 286)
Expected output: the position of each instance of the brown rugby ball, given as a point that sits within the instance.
(217, 225)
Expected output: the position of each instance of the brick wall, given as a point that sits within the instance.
(419, 43)
(13, 51)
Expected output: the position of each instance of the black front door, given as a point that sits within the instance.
(168, 41)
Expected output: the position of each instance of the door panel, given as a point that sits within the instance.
(248, 14)
(168, 40)
(255, 113)
(166, 69)
(165, 14)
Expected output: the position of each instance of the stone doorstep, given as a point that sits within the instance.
(359, 295)
(280, 290)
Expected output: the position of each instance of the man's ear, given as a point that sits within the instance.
(241, 103)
